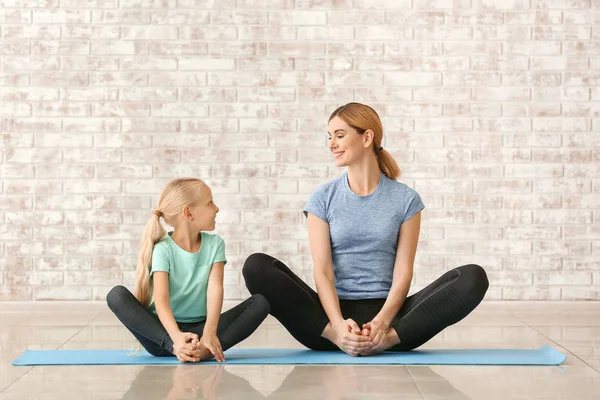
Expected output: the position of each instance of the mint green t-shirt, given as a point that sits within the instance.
(188, 274)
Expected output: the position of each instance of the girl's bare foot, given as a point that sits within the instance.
(187, 352)
(204, 352)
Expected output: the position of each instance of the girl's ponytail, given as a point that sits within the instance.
(153, 233)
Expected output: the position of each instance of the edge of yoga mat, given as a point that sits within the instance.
(545, 355)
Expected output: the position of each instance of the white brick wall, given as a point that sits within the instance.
(492, 108)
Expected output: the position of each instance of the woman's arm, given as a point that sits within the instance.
(403, 270)
(346, 334)
(320, 246)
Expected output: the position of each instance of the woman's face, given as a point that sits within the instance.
(346, 144)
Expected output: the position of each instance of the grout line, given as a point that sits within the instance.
(415, 382)
(82, 328)
(16, 380)
(62, 344)
(213, 386)
(557, 344)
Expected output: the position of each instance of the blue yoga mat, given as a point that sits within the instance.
(542, 356)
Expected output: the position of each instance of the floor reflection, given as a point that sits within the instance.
(296, 382)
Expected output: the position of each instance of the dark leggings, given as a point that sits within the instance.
(423, 315)
(234, 325)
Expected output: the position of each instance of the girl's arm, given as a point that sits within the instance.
(214, 304)
(403, 270)
(214, 298)
(162, 303)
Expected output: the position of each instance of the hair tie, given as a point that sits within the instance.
(381, 148)
(158, 213)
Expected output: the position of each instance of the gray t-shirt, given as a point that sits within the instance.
(364, 232)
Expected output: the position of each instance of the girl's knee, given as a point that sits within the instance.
(158, 351)
(116, 296)
(261, 303)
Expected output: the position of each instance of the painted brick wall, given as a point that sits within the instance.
(491, 107)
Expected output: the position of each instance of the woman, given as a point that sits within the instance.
(363, 230)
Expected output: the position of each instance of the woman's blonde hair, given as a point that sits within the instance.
(362, 117)
(176, 195)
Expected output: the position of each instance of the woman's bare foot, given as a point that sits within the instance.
(390, 339)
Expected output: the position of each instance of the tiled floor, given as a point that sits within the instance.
(572, 328)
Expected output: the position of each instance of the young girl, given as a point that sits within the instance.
(179, 291)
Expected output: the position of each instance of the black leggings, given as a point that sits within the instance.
(423, 315)
(234, 325)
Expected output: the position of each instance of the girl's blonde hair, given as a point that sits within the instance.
(362, 117)
(176, 195)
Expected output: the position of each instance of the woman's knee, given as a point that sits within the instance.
(254, 265)
(477, 278)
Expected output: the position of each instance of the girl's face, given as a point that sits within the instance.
(203, 214)
(346, 144)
